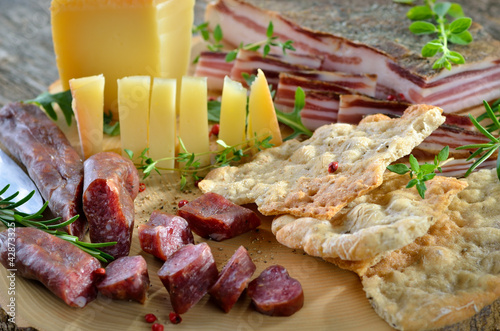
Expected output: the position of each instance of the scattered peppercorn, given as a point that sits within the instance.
(142, 187)
(157, 327)
(215, 130)
(391, 97)
(174, 318)
(98, 274)
(150, 318)
(332, 167)
(182, 203)
(402, 97)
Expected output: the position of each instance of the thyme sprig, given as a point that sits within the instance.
(484, 151)
(189, 163)
(432, 18)
(214, 42)
(10, 217)
(419, 174)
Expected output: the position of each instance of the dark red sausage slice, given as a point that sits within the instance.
(213, 216)
(52, 163)
(275, 293)
(111, 184)
(164, 234)
(187, 275)
(63, 268)
(233, 279)
(126, 279)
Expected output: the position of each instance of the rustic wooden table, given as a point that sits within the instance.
(27, 68)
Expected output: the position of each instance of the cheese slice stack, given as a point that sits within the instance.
(87, 104)
(120, 38)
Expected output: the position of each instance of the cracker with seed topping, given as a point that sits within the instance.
(294, 179)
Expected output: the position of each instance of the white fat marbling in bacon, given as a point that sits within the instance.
(213, 65)
(248, 62)
(403, 71)
(319, 108)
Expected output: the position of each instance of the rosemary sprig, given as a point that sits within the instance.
(484, 151)
(189, 163)
(10, 217)
(63, 99)
(455, 32)
(422, 173)
(214, 42)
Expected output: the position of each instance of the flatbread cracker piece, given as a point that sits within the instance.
(294, 179)
(388, 218)
(449, 274)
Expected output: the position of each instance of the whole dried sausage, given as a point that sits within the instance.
(62, 267)
(164, 234)
(187, 275)
(111, 184)
(52, 163)
(275, 293)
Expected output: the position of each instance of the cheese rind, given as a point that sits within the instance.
(262, 120)
(121, 38)
(162, 122)
(193, 117)
(88, 104)
(133, 106)
(233, 113)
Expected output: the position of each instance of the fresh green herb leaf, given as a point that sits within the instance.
(10, 217)
(419, 174)
(455, 32)
(213, 107)
(108, 128)
(293, 119)
(63, 99)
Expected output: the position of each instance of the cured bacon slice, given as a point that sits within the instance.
(213, 65)
(213, 216)
(164, 234)
(272, 65)
(389, 50)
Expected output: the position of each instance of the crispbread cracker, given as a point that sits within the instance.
(294, 178)
(388, 218)
(450, 273)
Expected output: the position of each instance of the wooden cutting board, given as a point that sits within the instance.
(334, 298)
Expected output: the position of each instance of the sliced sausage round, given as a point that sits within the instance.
(275, 293)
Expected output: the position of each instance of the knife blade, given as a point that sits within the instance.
(11, 173)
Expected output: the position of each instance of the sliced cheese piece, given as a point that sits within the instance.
(88, 105)
(262, 120)
(162, 122)
(233, 113)
(193, 117)
(133, 106)
(121, 38)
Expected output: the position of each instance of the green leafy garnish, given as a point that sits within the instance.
(189, 163)
(63, 99)
(213, 44)
(484, 151)
(293, 119)
(213, 107)
(108, 128)
(266, 45)
(432, 18)
(419, 174)
(10, 217)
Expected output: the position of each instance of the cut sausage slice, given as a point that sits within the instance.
(187, 275)
(111, 184)
(52, 163)
(233, 279)
(164, 234)
(275, 293)
(213, 216)
(126, 278)
(62, 267)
